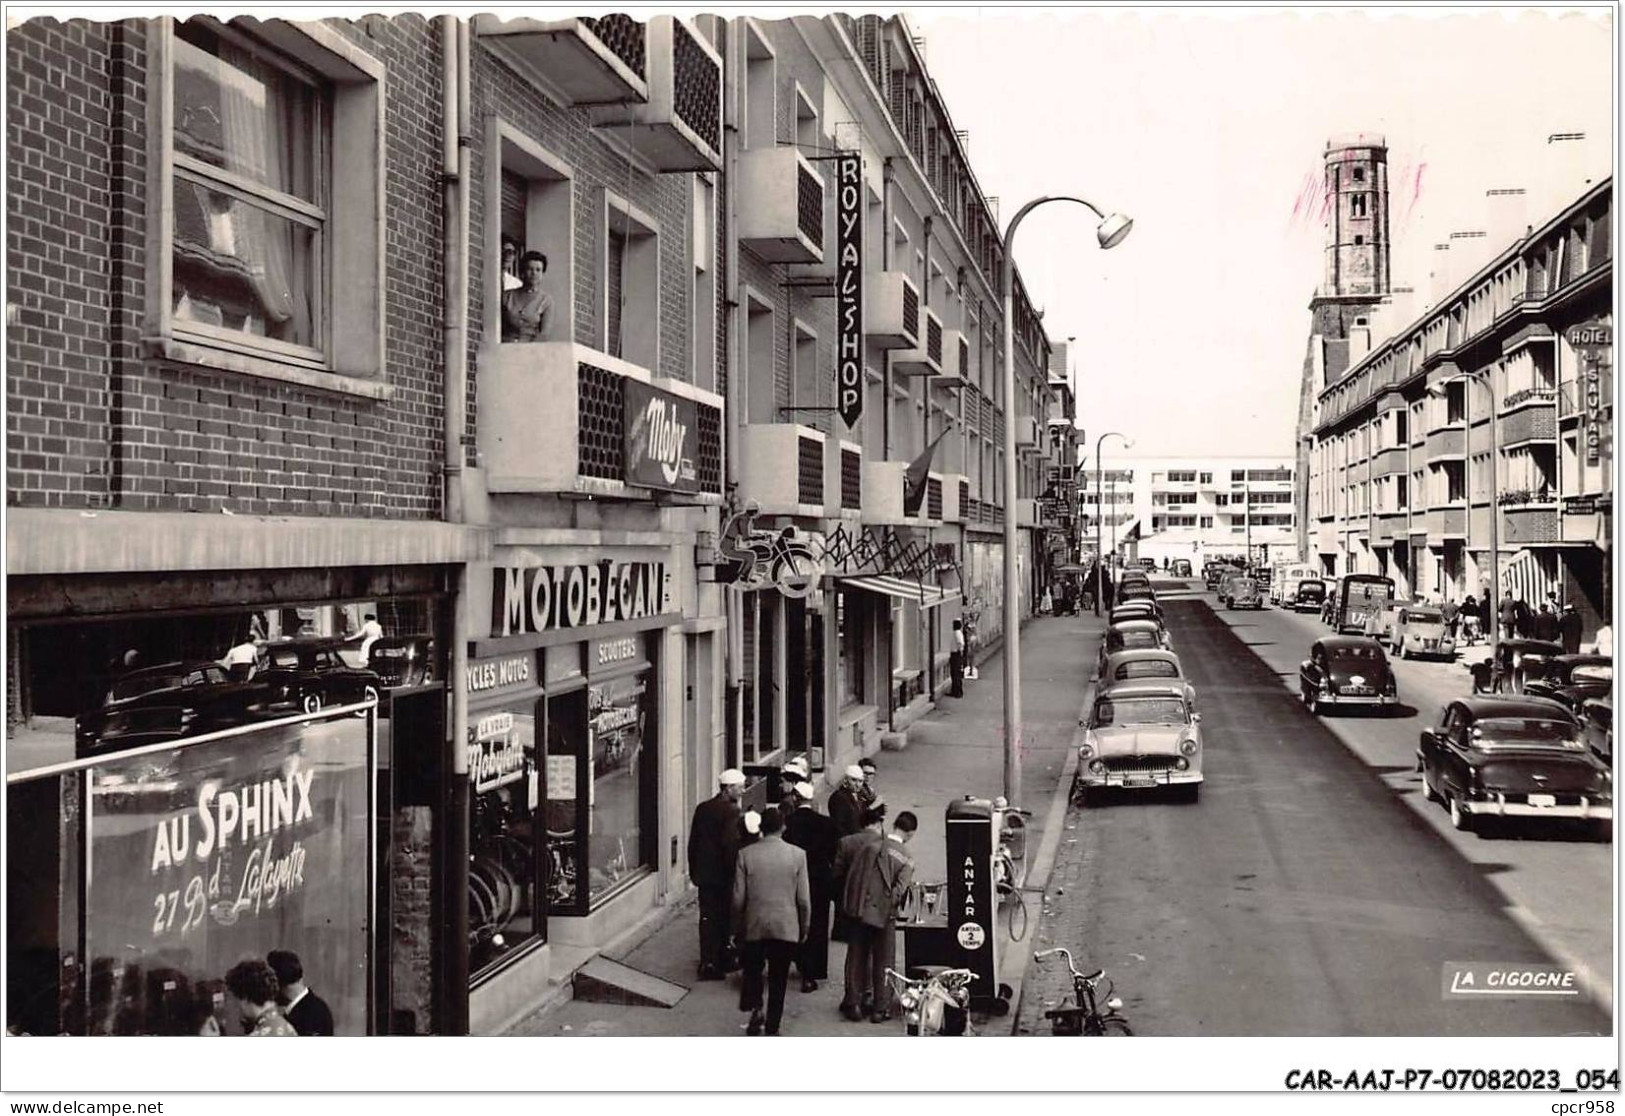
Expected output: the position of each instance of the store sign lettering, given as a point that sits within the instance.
(496, 756)
(849, 287)
(617, 650)
(660, 429)
(494, 674)
(1594, 344)
(246, 814)
(531, 599)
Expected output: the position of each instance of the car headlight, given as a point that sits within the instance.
(1182, 764)
(909, 999)
(1088, 748)
(1098, 767)
(1187, 746)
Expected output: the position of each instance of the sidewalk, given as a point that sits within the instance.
(954, 751)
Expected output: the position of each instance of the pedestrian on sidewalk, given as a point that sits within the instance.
(1568, 626)
(876, 882)
(846, 854)
(846, 804)
(868, 793)
(814, 834)
(1509, 616)
(795, 770)
(1546, 624)
(1451, 614)
(772, 909)
(956, 661)
(713, 845)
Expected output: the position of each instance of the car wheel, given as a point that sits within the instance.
(1428, 792)
(369, 692)
(1459, 818)
(312, 703)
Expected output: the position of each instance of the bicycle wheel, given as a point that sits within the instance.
(1115, 1025)
(794, 572)
(1018, 916)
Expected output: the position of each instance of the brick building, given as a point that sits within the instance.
(457, 351)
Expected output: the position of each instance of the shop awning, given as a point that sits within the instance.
(926, 596)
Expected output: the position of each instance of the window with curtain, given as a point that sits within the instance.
(249, 179)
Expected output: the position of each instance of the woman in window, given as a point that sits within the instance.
(527, 311)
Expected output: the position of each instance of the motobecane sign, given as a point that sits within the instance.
(849, 287)
(662, 431)
(531, 599)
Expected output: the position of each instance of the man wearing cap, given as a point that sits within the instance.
(816, 835)
(713, 845)
(845, 805)
(796, 770)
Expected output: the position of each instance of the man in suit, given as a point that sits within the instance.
(1568, 626)
(713, 845)
(772, 907)
(814, 834)
(869, 884)
(307, 1011)
(846, 804)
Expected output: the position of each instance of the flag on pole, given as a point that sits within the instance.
(914, 479)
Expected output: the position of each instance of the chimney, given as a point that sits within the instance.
(1439, 275)
(1468, 252)
(1569, 170)
(1506, 217)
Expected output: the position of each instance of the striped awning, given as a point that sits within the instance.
(1530, 576)
(922, 594)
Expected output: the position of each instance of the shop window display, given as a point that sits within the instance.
(502, 910)
(618, 716)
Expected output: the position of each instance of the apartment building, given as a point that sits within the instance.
(1496, 401)
(518, 341)
(1197, 508)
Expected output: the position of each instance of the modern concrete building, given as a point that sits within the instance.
(1405, 467)
(1196, 508)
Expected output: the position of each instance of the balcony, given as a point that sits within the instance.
(956, 367)
(1027, 513)
(1447, 444)
(891, 310)
(1530, 524)
(843, 478)
(1028, 434)
(884, 485)
(955, 497)
(1387, 462)
(924, 359)
(782, 468)
(781, 206)
(680, 127)
(934, 502)
(558, 417)
(1530, 422)
(1447, 523)
(585, 61)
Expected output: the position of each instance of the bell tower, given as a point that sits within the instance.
(1357, 248)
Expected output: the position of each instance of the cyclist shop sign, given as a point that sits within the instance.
(531, 599)
(662, 431)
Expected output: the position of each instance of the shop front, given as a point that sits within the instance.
(201, 769)
(573, 740)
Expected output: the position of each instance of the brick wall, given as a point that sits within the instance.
(93, 420)
(411, 858)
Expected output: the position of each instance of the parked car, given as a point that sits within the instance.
(1420, 630)
(1129, 634)
(1310, 596)
(1213, 573)
(308, 674)
(1132, 592)
(1140, 609)
(1513, 757)
(1243, 592)
(405, 661)
(1147, 563)
(1141, 735)
(1140, 663)
(1585, 682)
(1597, 718)
(1181, 567)
(1557, 672)
(1347, 671)
(168, 702)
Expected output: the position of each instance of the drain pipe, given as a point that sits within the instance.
(455, 88)
(733, 74)
(885, 265)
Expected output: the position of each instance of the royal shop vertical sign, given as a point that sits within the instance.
(849, 287)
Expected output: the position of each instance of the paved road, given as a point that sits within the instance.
(1310, 892)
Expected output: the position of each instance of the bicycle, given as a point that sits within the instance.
(1010, 865)
(1083, 1016)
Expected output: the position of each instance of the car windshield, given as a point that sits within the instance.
(1139, 711)
(1311, 587)
(126, 688)
(1526, 732)
(1423, 616)
(1356, 653)
(1244, 585)
(1147, 668)
(1136, 639)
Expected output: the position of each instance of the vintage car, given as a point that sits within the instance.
(1131, 634)
(1513, 757)
(1597, 717)
(307, 674)
(1141, 609)
(1140, 663)
(1213, 573)
(169, 702)
(1559, 672)
(1242, 592)
(1133, 592)
(1141, 735)
(1309, 596)
(1420, 630)
(1585, 682)
(402, 661)
(1347, 671)
(1147, 563)
(1181, 567)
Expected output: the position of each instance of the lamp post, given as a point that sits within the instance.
(1437, 390)
(1100, 552)
(1109, 234)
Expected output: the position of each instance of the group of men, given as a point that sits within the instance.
(767, 882)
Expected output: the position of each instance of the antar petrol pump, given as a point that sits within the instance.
(964, 934)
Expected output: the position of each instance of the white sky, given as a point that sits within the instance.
(1207, 127)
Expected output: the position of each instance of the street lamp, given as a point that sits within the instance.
(1438, 391)
(1100, 508)
(1109, 234)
